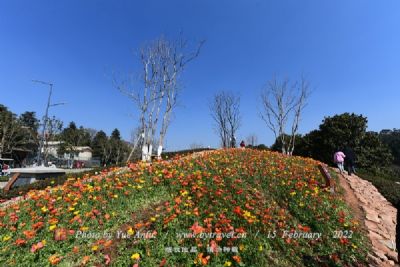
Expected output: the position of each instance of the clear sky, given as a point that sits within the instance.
(348, 50)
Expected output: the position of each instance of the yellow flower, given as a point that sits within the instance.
(71, 209)
(153, 219)
(59, 198)
(131, 231)
(94, 248)
(135, 256)
(139, 187)
(228, 263)
(241, 247)
(52, 227)
(260, 248)
(84, 228)
(115, 196)
(76, 212)
(293, 193)
(7, 237)
(44, 209)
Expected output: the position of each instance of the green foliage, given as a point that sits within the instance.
(345, 130)
(111, 150)
(386, 183)
(372, 153)
(17, 132)
(392, 139)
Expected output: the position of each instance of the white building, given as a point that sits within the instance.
(77, 152)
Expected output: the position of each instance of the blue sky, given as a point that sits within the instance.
(348, 50)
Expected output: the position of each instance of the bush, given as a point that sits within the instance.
(385, 182)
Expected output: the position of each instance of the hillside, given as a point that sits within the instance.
(223, 208)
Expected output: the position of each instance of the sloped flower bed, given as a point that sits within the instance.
(226, 208)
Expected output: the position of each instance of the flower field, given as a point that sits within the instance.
(226, 208)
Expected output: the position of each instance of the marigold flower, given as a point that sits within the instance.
(135, 256)
(6, 238)
(54, 259)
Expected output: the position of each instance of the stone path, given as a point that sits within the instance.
(379, 218)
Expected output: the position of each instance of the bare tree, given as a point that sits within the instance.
(53, 128)
(283, 101)
(225, 110)
(252, 139)
(163, 62)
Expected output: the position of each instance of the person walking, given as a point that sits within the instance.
(338, 158)
(350, 160)
(242, 144)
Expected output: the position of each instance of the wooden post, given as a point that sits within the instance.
(328, 179)
(11, 182)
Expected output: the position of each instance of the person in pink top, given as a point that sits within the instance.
(338, 158)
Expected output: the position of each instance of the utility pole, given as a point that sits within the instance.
(46, 118)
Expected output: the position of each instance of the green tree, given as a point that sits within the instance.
(372, 153)
(13, 134)
(73, 137)
(119, 147)
(101, 147)
(392, 139)
(345, 130)
(336, 132)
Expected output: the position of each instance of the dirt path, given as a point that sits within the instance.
(377, 215)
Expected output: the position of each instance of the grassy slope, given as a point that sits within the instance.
(260, 193)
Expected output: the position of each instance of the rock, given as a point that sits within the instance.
(373, 216)
(372, 226)
(392, 256)
(381, 255)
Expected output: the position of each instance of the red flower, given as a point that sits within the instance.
(20, 242)
(196, 228)
(238, 210)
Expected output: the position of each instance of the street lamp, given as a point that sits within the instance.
(46, 117)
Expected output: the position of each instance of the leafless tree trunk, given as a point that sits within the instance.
(225, 110)
(163, 62)
(252, 140)
(282, 101)
(53, 127)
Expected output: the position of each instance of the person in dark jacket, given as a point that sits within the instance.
(242, 144)
(350, 159)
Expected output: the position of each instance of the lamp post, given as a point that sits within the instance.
(46, 118)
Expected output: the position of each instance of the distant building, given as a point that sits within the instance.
(83, 153)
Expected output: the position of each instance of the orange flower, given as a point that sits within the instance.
(203, 260)
(37, 225)
(237, 258)
(60, 234)
(85, 260)
(29, 234)
(20, 242)
(196, 228)
(54, 259)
